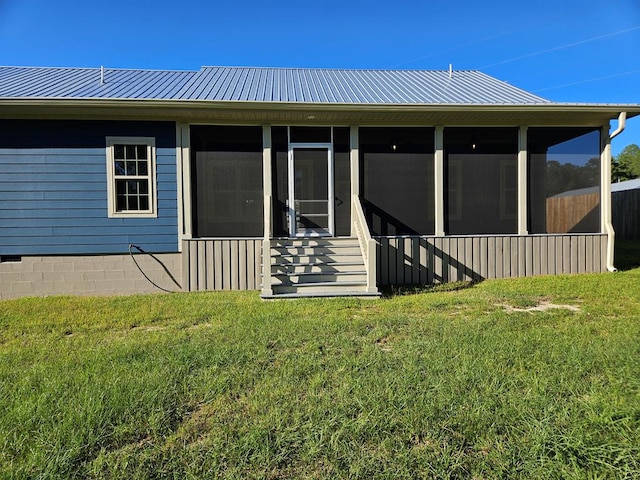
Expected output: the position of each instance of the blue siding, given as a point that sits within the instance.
(53, 189)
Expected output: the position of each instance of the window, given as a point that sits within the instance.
(131, 176)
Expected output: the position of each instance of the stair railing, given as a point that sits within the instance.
(368, 245)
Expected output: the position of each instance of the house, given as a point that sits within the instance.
(291, 181)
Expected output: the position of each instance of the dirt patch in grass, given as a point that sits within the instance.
(542, 306)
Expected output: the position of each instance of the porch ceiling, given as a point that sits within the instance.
(319, 114)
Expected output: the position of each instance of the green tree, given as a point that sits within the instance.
(626, 165)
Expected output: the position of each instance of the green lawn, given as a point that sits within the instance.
(470, 382)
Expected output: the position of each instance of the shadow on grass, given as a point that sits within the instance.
(389, 291)
(627, 254)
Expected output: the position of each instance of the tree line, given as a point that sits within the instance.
(626, 165)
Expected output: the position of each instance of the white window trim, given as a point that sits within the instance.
(150, 142)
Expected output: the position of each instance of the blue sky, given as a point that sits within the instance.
(564, 50)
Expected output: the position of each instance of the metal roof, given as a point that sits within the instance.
(85, 83)
(266, 85)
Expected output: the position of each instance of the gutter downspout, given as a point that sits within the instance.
(606, 178)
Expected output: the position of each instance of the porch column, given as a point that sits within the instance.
(522, 181)
(184, 182)
(355, 172)
(438, 177)
(267, 187)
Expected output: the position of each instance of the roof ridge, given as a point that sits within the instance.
(102, 66)
(335, 69)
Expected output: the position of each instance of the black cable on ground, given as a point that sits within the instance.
(131, 246)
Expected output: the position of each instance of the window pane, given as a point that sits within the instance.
(131, 168)
(132, 186)
(144, 202)
(481, 180)
(130, 152)
(121, 187)
(142, 152)
(564, 180)
(143, 186)
(118, 152)
(121, 203)
(133, 202)
(142, 168)
(120, 168)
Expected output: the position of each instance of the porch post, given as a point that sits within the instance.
(522, 181)
(355, 173)
(438, 177)
(184, 181)
(267, 188)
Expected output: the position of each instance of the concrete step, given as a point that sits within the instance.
(301, 250)
(318, 278)
(343, 293)
(314, 242)
(325, 288)
(320, 267)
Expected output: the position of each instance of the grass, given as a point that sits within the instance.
(445, 383)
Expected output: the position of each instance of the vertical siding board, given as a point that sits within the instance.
(226, 262)
(452, 252)
(536, 255)
(400, 261)
(478, 255)
(218, 266)
(445, 260)
(461, 260)
(484, 257)
(242, 264)
(469, 273)
(566, 255)
(559, 260)
(424, 268)
(528, 248)
(551, 255)
(544, 250)
(414, 244)
(588, 253)
(193, 268)
(522, 257)
(234, 264)
(582, 256)
(391, 262)
(513, 245)
(208, 265)
(202, 266)
(409, 261)
(502, 269)
(573, 252)
(491, 257)
(186, 277)
(603, 253)
(437, 253)
(430, 260)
